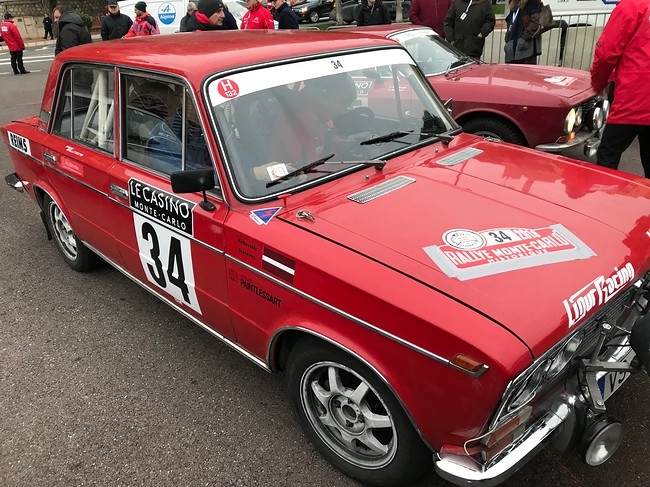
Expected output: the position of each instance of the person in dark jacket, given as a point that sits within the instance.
(468, 23)
(72, 30)
(115, 25)
(284, 14)
(523, 44)
(191, 10)
(47, 26)
(373, 12)
(211, 15)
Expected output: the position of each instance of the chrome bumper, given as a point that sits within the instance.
(591, 141)
(535, 439)
(14, 182)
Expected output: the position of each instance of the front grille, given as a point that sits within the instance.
(587, 111)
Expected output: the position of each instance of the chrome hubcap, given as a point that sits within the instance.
(63, 232)
(348, 415)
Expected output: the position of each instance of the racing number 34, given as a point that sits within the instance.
(166, 258)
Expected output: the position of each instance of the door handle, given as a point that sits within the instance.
(49, 157)
(120, 192)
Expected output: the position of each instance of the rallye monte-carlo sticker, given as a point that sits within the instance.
(163, 224)
(468, 254)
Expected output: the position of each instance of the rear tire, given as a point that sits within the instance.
(71, 248)
(495, 128)
(352, 418)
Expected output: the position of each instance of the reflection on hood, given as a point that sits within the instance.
(70, 18)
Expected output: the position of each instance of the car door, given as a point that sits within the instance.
(169, 242)
(80, 150)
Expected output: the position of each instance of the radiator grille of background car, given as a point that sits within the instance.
(381, 189)
(588, 109)
(459, 157)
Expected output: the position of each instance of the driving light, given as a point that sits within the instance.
(570, 121)
(605, 107)
(601, 440)
(597, 118)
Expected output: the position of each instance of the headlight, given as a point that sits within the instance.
(605, 107)
(303, 10)
(579, 116)
(597, 118)
(549, 367)
(570, 121)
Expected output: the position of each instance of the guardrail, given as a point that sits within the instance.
(570, 43)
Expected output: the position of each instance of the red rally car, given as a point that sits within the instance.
(429, 295)
(546, 107)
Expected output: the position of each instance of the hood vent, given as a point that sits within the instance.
(381, 189)
(460, 156)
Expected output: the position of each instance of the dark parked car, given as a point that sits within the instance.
(312, 10)
(350, 8)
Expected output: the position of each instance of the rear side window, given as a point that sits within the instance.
(161, 126)
(86, 110)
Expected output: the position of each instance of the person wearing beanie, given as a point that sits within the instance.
(191, 10)
(257, 17)
(211, 15)
(14, 42)
(115, 25)
(286, 17)
(373, 12)
(72, 30)
(144, 24)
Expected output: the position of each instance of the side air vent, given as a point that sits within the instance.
(381, 189)
(459, 157)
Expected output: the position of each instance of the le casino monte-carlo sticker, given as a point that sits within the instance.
(468, 254)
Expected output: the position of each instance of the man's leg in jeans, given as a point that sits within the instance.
(616, 139)
(19, 61)
(14, 64)
(644, 148)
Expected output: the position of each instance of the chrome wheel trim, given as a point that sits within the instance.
(63, 232)
(348, 415)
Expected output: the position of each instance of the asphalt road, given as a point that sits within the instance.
(102, 384)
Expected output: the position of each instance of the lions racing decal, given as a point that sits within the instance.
(162, 206)
(468, 254)
(596, 293)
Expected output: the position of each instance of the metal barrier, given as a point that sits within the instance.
(570, 43)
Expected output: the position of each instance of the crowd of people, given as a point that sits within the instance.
(621, 60)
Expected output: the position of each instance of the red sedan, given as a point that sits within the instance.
(546, 107)
(428, 295)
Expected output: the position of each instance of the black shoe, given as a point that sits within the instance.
(17, 73)
(24, 72)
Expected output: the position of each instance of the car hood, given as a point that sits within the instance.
(448, 226)
(551, 80)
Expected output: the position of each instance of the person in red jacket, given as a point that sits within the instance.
(14, 42)
(257, 17)
(624, 48)
(430, 13)
(144, 24)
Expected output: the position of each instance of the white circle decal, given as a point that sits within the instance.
(464, 239)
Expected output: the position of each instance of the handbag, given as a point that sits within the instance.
(545, 20)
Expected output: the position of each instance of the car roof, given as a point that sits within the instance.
(195, 55)
(386, 29)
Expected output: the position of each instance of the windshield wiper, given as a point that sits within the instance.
(457, 64)
(379, 164)
(403, 133)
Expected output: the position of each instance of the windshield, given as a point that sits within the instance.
(433, 54)
(275, 120)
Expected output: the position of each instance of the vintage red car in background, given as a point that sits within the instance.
(429, 295)
(546, 107)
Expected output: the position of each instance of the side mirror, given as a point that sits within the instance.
(193, 182)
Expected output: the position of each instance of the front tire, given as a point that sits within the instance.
(71, 248)
(314, 17)
(352, 418)
(495, 128)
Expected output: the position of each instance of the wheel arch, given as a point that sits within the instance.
(286, 338)
(467, 116)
